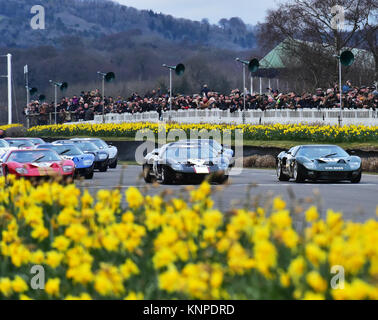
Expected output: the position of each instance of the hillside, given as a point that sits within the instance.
(84, 36)
(93, 19)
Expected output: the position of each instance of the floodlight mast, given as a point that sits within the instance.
(9, 77)
(102, 74)
(171, 68)
(62, 86)
(244, 63)
(105, 77)
(179, 70)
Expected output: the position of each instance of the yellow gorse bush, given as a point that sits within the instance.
(156, 248)
(298, 132)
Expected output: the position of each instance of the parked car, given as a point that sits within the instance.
(102, 145)
(5, 147)
(318, 162)
(20, 143)
(37, 141)
(36, 163)
(84, 163)
(101, 157)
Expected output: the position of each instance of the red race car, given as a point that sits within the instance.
(36, 164)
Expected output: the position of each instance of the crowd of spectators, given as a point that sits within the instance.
(88, 104)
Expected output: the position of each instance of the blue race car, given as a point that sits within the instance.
(84, 163)
(101, 157)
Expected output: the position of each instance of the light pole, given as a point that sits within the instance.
(346, 58)
(62, 86)
(179, 70)
(253, 66)
(9, 77)
(108, 77)
(9, 59)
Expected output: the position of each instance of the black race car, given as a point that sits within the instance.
(183, 161)
(318, 162)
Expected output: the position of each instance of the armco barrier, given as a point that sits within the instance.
(331, 117)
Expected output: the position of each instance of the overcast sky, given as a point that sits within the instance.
(251, 11)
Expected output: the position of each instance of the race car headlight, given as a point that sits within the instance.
(354, 165)
(176, 166)
(67, 168)
(309, 165)
(102, 156)
(21, 170)
(87, 162)
(223, 165)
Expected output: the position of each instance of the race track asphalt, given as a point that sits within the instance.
(358, 202)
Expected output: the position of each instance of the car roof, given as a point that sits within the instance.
(28, 150)
(85, 139)
(318, 145)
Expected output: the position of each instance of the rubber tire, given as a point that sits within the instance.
(89, 176)
(166, 177)
(280, 175)
(104, 168)
(114, 164)
(298, 177)
(224, 179)
(146, 174)
(357, 179)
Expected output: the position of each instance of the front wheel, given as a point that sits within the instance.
(147, 174)
(280, 175)
(89, 175)
(166, 176)
(114, 164)
(356, 179)
(298, 173)
(104, 168)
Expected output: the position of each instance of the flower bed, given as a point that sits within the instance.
(295, 132)
(184, 248)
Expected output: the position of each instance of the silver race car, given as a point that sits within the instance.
(184, 161)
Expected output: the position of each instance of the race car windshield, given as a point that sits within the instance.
(33, 156)
(87, 146)
(322, 152)
(213, 143)
(20, 143)
(36, 140)
(4, 144)
(65, 150)
(101, 144)
(185, 153)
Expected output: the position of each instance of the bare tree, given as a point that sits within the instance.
(311, 24)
